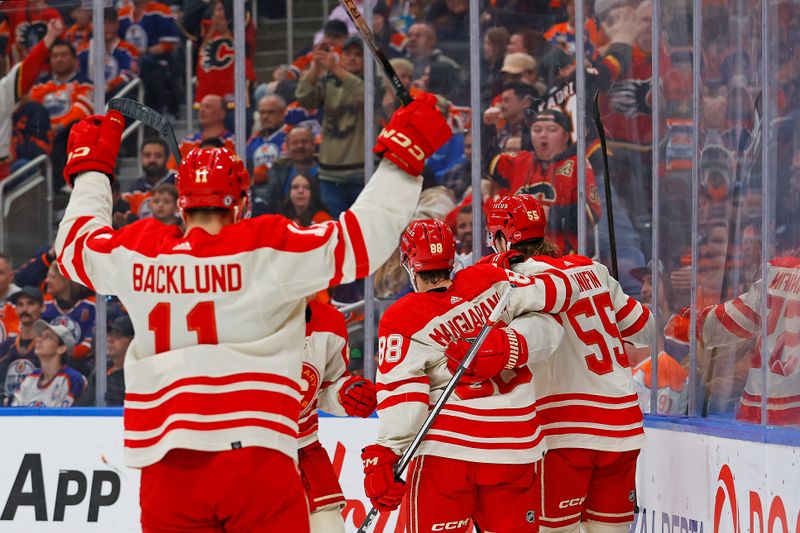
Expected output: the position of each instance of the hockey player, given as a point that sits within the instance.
(213, 373)
(587, 402)
(328, 385)
(480, 459)
(739, 320)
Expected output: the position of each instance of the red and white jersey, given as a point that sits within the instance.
(740, 319)
(325, 359)
(587, 398)
(220, 319)
(491, 422)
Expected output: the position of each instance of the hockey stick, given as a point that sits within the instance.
(405, 459)
(366, 33)
(612, 239)
(148, 117)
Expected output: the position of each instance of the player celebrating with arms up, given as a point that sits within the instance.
(327, 384)
(587, 401)
(478, 459)
(213, 393)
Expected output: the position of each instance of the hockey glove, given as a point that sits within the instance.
(384, 491)
(413, 134)
(93, 145)
(357, 396)
(503, 260)
(503, 348)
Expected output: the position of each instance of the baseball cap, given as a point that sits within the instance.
(553, 115)
(122, 325)
(517, 63)
(31, 292)
(353, 41)
(62, 331)
(641, 272)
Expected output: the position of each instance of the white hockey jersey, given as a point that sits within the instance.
(60, 391)
(740, 319)
(220, 319)
(587, 398)
(672, 396)
(491, 422)
(325, 359)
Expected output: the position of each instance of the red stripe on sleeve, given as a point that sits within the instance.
(338, 259)
(413, 397)
(73, 232)
(77, 262)
(749, 314)
(359, 247)
(730, 324)
(550, 293)
(567, 289)
(626, 310)
(638, 325)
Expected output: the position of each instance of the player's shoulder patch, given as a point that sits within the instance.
(566, 168)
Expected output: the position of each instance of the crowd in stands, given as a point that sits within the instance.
(306, 135)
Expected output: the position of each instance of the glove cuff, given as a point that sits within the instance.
(76, 169)
(517, 349)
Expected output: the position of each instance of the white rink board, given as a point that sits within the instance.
(78, 444)
(692, 483)
(681, 476)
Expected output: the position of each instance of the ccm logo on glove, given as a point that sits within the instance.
(404, 142)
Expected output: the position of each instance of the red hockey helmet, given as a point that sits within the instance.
(427, 245)
(517, 218)
(211, 177)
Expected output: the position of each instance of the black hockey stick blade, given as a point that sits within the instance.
(612, 239)
(133, 109)
(399, 89)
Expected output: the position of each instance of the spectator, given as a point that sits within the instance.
(10, 321)
(509, 119)
(494, 49)
(119, 337)
(463, 234)
(405, 71)
(459, 178)
(29, 21)
(153, 158)
(121, 214)
(71, 305)
(122, 58)
(331, 39)
(30, 134)
(164, 204)
(150, 27)
(422, 52)
(266, 145)
(211, 118)
(215, 69)
(392, 42)
(304, 205)
(17, 358)
(529, 42)
(341, 95)
(65, 93)
(54, 384)
(21, 78)
(299, 159)
(549, 172)
(562, 35)
(450, 19)
(523, 68)
(80, 32)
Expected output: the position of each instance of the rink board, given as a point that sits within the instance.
(691, 483)
(66, 474)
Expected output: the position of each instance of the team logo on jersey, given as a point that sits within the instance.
(136, 35)
(58, 103)
(530, 517)
(266, 154)
(218, 54)
(566, 169)
(543, 191)
(69, 323)
(309, 385)
(111, 67)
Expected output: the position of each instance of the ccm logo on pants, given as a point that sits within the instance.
(447, 526)
(570, 503)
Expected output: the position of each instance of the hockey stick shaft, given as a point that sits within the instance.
(149, 117)
(612, 238)
(405, 459)
(366, 33)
